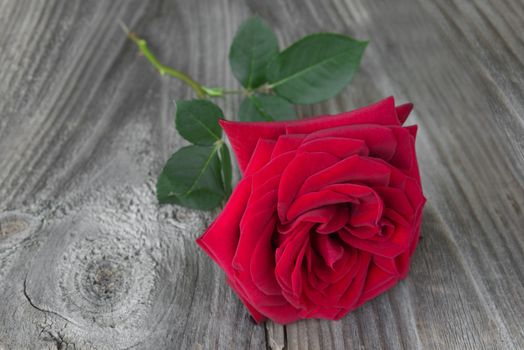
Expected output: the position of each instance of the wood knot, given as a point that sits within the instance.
(12, 223)
(105, 280)
(98, 269)
(104, 274)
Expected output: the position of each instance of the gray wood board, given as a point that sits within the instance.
(89, 260)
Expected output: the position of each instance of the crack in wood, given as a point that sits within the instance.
(28, 298)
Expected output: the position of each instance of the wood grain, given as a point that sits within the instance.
(89, 260)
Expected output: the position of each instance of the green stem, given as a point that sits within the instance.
(233, 92)
(220, 92)
(163, 69)
(201, 91)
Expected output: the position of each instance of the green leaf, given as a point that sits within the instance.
(265, 108)
(227, 171)
(192, 178)
(197, 121)
(253, 47)
(316, 67)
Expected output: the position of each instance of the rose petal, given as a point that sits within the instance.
(262, 265)
(337, 146)
(363, 232)
(296, 275)
(403, 112)
(261, 156)
(380, 140)
(389, 265)
(366, 208)
(288, 257)
(367, 211)
(345, 266)
(381, 113)
(313, 200)
(402, 264)
(245, 135)
(395, 198)
(354, 291)
(287, 143)
(296, 173)
(338, 220)
(377, 281)
(260, 208)
(405, 150)
(388, 248)
(283, 314)
(330, 250)
(353, 169)
(221, 238)
(250, 229)
(329, 218)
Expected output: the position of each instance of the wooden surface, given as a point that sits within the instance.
(89, 260)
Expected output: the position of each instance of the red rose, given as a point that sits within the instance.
(326, 216)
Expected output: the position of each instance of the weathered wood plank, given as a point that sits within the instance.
(88, 259)
(85, 128)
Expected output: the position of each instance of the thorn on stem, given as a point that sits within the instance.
(124, 27)
(131, 35)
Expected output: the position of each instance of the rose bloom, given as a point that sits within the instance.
(326, 216)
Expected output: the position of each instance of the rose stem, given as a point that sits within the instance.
(201, 91)
(163, 69)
